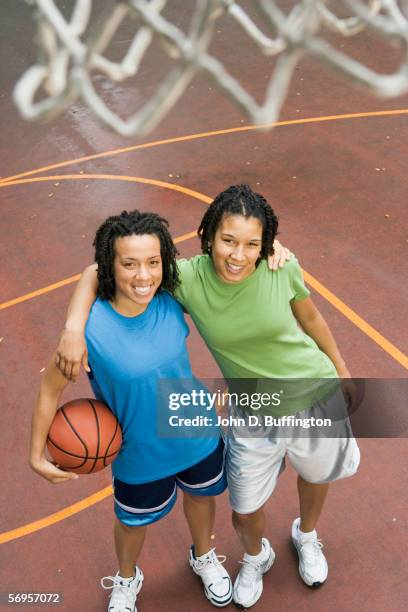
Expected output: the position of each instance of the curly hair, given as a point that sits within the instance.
(127, 224)
(239, 200)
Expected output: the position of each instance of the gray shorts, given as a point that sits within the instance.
(254, 463)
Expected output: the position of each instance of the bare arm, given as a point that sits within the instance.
(314, 325)
(52, 385)
(72, 350)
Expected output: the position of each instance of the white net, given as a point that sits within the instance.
(69, 57)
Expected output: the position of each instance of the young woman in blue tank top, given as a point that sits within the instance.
(136, 335)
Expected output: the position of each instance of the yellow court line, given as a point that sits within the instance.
(51, 519)
(186, 138)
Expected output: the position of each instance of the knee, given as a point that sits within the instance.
(128, 529)
(201, 500)
(244, 519)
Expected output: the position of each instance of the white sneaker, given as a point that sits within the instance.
(249, 585)
(313, 567)
(124, 593)
(216, 580)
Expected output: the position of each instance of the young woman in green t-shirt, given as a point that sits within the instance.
(257, 325)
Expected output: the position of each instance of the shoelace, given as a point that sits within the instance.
(311, 550)
(123, 594)
(210, 563)
(250, 569)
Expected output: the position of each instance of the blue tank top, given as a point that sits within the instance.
(128, 357)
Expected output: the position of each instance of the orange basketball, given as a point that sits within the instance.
(84, 437)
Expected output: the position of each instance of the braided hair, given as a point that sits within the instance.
(127, 224)
(239, 200)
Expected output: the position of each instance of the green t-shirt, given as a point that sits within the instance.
(249, 326)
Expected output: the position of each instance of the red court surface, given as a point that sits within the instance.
(335, 171)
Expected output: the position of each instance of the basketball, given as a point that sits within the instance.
(84, 437)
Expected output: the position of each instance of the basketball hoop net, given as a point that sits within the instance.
(70, 54)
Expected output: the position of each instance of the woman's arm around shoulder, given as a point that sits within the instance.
(72, 350)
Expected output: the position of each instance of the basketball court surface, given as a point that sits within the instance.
(334, 169)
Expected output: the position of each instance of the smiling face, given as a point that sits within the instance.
(236, 247)
(138, 272)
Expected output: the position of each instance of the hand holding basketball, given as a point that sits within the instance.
(51, 472)
(84, 437)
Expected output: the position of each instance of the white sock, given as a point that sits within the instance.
(307, 534)
(255, 558)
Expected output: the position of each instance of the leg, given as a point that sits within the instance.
(323, 460)
(200, 514)
(132, 518)
(199, 510)
(258, 557)
(250, 528)
(128, 581)
(128, 544)
(311, 501)
(313, 567)
(136, 506)
(253, 470)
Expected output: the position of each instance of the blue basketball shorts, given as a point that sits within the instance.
(141, 504)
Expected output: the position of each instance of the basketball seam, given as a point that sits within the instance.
(77, 456)
(98, 444)
(78, 436)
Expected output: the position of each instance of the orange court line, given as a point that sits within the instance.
(111, 177)
(83, 504)
(33, 294)
(245, 128)
(350, 314)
